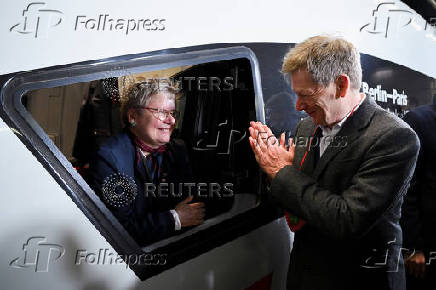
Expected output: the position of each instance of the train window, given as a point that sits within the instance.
(75, 120)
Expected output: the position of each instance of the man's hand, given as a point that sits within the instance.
(190, 214)
(415, 265)
(271, 155)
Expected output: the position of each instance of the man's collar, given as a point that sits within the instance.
(327, 131)
(349, 132)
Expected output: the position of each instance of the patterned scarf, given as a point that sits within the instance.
(153, 160)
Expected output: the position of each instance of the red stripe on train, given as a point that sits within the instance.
(262, 284)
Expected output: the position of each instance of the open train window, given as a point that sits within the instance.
(65, 115)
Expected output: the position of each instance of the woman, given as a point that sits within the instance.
(130, 167)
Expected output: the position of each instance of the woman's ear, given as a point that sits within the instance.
(132, 115)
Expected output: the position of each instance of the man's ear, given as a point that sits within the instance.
(342, 84)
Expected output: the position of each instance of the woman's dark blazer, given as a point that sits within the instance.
(147, 219)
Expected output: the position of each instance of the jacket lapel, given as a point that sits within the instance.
(302, 142)
(143, 170)
(349, 132)
(125, 156)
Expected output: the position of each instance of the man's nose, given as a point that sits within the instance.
(299, 104)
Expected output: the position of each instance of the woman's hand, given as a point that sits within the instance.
(415, 265)
(190, 214)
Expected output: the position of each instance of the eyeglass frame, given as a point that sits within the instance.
(155, 111)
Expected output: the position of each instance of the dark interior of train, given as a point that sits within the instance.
(216, 104)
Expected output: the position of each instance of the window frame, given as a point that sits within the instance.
(14, 114)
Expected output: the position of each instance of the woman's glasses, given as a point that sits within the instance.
(162, 114)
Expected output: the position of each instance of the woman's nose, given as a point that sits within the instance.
(170, 119)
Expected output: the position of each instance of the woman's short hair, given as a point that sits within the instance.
(325, 58)
(140, 94)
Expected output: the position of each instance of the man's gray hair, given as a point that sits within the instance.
(325, 58)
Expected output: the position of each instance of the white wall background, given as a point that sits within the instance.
(192, 22)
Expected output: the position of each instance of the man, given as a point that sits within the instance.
(419, 217)
(349, 189)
